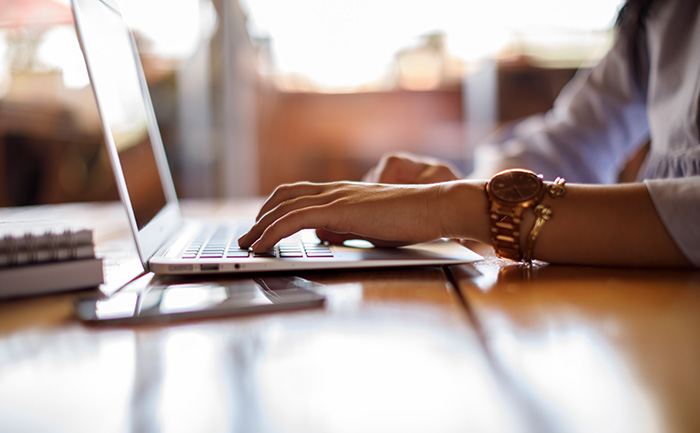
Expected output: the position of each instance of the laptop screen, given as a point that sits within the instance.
(116, 82)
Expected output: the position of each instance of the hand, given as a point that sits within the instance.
(399, 168)
(406, 168)
(382, 214)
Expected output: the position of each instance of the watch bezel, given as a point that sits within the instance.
(508, 176)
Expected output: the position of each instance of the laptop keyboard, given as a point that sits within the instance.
(222, 245)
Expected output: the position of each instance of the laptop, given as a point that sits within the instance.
(167, 243)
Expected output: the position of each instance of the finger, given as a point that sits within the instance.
(393, 168)
(288, 224)
(322, 194)
(279, 211)
(371, 175)
(437, 173)
(378, 171)
(384, 171)
(399, 169)
(333, 237)
(287, 192)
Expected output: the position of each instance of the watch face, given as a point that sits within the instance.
(516, 186)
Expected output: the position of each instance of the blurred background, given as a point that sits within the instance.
(253, 93)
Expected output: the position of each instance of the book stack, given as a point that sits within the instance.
(39, 258)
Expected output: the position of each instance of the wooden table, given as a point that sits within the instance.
(473, 348)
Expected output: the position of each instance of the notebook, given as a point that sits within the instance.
(167, 243)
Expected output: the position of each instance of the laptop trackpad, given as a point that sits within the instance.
(440, 249)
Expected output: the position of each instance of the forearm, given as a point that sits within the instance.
(607, 225)
(591, 225)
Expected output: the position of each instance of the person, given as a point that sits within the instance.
(645, 89)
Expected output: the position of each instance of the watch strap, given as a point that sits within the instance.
(505, 230)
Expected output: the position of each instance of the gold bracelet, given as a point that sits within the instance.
(543, 214)
(557, 188)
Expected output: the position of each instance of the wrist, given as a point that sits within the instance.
(461, 210)
(513, 194)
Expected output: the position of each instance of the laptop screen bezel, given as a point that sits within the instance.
(161, 227)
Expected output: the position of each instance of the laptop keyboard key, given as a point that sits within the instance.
(219, 244)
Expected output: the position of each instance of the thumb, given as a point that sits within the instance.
(333, 237)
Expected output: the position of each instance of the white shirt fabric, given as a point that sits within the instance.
(605, 114)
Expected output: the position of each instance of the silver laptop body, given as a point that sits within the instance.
(167, 243)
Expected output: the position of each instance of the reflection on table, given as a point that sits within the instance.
(484, 347)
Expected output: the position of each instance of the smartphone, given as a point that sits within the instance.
(154, 298)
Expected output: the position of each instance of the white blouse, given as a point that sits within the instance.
(605, 114)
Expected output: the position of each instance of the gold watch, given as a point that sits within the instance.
(510, 193)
